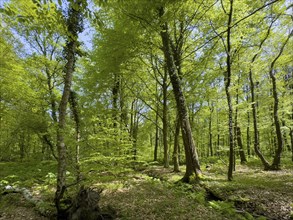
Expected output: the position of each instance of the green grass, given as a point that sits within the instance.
(26, 173)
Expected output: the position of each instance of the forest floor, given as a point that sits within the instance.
(148, 191)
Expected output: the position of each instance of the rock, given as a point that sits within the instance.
(8, 187)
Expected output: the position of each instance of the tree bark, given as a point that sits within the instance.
(190, 149)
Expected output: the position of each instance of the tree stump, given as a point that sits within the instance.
(85, 206)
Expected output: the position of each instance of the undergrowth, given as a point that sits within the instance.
(145, 190)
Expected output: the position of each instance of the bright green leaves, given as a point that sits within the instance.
(31, 15)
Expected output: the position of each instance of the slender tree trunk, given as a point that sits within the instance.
(22, 145)
(218, 136)
(135, 134)
(291, 138)
(237, 130)
(115, 95)
(51, 93)
(218, 144)
(291, 128)
(50, 85)
(277, 159)
(239, 143)
(156, 141)
(190, 150)
(74, 26)
(176, 146)
(47, 141)
(134, 128)
(165, 120)
(177, 56)
(255, 126)
(228, 95)
(75, 112)
(157, 128)
(248, 135)
(254, 105)
(210, 132)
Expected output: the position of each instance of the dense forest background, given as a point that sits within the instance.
(188, 84)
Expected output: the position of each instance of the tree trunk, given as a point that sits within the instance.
(22, 145)
(176, 146)
(156, 142)
(134, 128)
(240, 145)
(47, 141)
(74, 26)
(254, 106)
(218, 136)
(255, 126)
(75, 112)
(210, 132)
(228, 95)
(135, 134)
(190, 150)
(277, 159)
(165, 120)
(51, 93)
(248, 135)
(123, 107)
(115, 95)
(237, 130)
(291, 138)
(157, 128)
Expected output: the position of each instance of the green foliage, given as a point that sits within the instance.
(119, 87)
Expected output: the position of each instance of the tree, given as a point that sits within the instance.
(192, 161)
(280, 142)
(74, 26)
